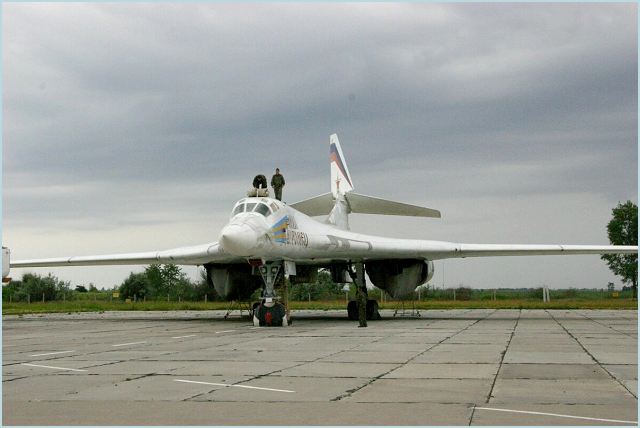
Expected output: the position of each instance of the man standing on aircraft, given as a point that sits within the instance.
(277, 182)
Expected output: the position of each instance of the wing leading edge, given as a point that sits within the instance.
(385, 248)
(195, 255)
(492, 250)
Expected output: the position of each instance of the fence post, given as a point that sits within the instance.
(205, 297)
(454, 294)
(29, 298)
(167, 297)
(42, 297)
(64, 297)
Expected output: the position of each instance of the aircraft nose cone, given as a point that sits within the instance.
(238, 240)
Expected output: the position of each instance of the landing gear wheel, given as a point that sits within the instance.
(273, 315)
(372, 310)
(352, 310)
(254, 306)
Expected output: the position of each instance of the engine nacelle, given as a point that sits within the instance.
(234, 281)
(399, 278)
(430, 271)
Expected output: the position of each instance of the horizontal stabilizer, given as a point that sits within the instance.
(362, 204)
(318, 205)
(369, 205)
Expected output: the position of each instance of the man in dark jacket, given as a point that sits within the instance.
(277, 182)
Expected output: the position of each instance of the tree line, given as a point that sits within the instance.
(159, 282)
(33, 287)
(156, 282)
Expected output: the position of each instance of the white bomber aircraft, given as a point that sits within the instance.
(267, 234)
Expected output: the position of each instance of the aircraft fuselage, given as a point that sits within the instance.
(281, 232)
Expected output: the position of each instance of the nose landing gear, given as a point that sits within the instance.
(269, 311)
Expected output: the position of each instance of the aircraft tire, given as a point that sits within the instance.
(254, 307)
(352, 310)
(270, 316)
(372, 310)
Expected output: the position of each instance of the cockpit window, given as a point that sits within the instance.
(262, 209)
(257, 207)
(238, 209)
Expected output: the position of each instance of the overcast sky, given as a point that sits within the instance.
(135, 127)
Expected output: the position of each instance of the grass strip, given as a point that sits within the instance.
(98, 306)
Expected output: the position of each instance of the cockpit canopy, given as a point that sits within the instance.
(263, 206)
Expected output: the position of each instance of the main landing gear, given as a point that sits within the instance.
(363, 308)
(371, 310)
(269, 312)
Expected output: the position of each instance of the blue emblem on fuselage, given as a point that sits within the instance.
(278, 231)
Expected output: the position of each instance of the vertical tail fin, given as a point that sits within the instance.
(342, 200)
(340, 177)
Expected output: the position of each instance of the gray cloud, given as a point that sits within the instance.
(119, 116)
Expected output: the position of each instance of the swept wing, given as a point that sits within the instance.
(195, 255)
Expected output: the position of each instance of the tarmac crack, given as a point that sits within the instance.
(302, 363)
(129, 379)
(15, 378)
(107, 364)
(591, 355)
(504, 353)
(350, 392)
(473, 412)
(608, 326)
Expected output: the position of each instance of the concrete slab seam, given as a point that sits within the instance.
(352, 391)
(495, 378)
(606, 325)
(301, 363)
(591, 355)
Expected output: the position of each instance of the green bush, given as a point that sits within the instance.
(134, 287)
(535, 293)
(463, 293)
(34, 287)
